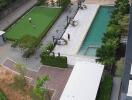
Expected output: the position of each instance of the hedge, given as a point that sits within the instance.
(55, 61)
(105, 88)
(52, 60)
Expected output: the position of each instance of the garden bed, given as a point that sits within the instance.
(105, 88)
(11, 90)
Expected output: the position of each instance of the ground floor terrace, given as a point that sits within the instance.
(57, 77)
(86, 37)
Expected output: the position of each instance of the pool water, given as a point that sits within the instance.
(96, 32)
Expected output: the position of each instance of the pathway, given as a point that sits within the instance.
(7, 21)
(115, 88)
(77, 33)
(101, 2)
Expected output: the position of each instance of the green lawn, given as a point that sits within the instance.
(42, 19)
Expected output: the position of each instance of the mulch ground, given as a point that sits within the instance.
(57, 77)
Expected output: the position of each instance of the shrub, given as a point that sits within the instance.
(14, 44)
(64, 3)
(19, 80)
(52, 60)
(2, 95)
(106, 52)
(105, 88)
(110, 42)
(50, 47)
(58, 61)
(39, 90)
(41, 2)
(29, 52)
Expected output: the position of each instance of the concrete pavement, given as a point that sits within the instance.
(7, 21)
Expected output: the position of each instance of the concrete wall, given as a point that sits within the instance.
(1, 40)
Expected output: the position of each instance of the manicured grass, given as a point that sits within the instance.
(105, 88)
(42, 19)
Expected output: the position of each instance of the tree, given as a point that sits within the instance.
(122, 6)
(124, 25)
(41, 2)
(110, 35)
(3, 3)
(64, 3)
(39, 90)
(20, 80)
(106, 53)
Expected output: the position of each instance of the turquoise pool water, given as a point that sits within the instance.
(94, 36)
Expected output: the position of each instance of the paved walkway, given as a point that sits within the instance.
(101, 2)
(115, 88)
(77, 33)
(7, 21)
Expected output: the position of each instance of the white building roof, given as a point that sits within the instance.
(2, 32)
(131, 70)
(129, 93)
(84, 82)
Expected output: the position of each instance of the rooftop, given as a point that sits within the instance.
(85, 77)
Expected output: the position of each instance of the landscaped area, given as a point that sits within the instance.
(96, 32)
(42, 48)
(42, 18)
(104, 91)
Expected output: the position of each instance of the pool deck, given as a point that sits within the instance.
(77, 34)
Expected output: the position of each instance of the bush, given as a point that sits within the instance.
(41, 2)
(14, 44)
(105, 88)
(50, 47)
(110, 42)
(58, 61)
(2, 95)
(64, 3)
(39, 89)
(52, 60)
(106, 52)
(29, 52)
(19, 80)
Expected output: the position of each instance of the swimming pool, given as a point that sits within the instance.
(97, 29)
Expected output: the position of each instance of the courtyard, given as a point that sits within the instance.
(61, 33)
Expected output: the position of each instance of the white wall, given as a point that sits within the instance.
(1, 40)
